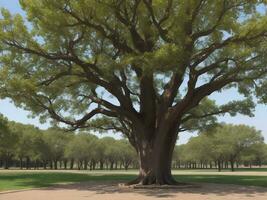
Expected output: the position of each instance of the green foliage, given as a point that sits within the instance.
(225, 143)
(28, 140)
(3, 126)
(112, 150)
(66, 57)
(56, 140)
(229, 141)
(81, 147)
(28, 144)
(8, 141)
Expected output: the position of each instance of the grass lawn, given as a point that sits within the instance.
(225, 179)
(226, 170)
(25, 180)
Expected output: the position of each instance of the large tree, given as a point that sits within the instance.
(146, 66)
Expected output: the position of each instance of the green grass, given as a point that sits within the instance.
(225, 179)
(226, 170)
(24, 180)
(251, 169)
(27, 180)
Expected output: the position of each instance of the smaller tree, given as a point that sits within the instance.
(127, 153)
(8, 141)
(112, 151)
(256, 154)
(177, 156)
(41, 149)
(25, 148)
(81, 148)
(199, 150)
(240, 138)
(56, 139)
(229, 141)
(100, 155)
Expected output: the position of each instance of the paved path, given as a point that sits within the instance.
(111, 191)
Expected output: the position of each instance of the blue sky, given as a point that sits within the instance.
(8, 109)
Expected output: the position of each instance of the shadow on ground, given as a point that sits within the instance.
(200, 189)
(105, 184)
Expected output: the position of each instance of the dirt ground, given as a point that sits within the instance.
(111, 191)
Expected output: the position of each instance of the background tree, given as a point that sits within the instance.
(148, 66)
(8, 142)
(81, 148)
(222, 145)
(239, 139)
(198, 149)
(41, 149)
(255, 155)
(178, 155)
(56, 140)
(127, 153)
(112, 152)
(31, 148)
(25, 145)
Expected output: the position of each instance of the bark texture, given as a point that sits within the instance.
(155, 159)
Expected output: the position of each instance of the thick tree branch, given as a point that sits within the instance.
(157, 23)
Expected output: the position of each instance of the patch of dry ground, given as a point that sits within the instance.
(111, 191)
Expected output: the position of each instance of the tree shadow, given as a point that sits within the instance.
(105, 184)
(111, 187)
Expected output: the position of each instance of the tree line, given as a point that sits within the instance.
(27, 147)
(227, 146)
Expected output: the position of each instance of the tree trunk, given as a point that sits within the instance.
(20, 163)
(27, 163)
(55, 164)
(111, 165)
(44, 164)
(65, 164)
(101, 164)
(85, 164)
(219, 166)
(116, 165)
(155, 159)
(51, 164)
(232, 165)
(6, 163)
(126, 165)
(94, 164)
(71, 163)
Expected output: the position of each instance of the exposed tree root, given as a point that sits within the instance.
(153, 180)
